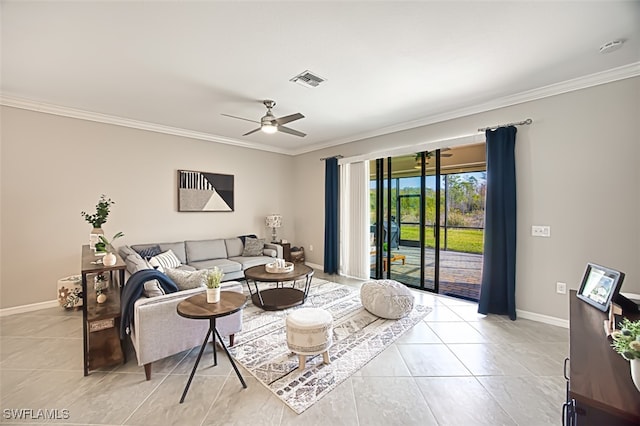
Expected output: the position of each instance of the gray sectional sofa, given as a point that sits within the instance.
(158, 331)
(225, 253)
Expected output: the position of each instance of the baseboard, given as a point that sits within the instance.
(314, 266)
(28, 308)
(559, 322)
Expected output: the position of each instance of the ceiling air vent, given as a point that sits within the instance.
(308, 79)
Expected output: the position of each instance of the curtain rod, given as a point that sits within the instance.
(519, 123)
(335, 156)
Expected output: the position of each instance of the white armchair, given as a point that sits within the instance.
(158, 331)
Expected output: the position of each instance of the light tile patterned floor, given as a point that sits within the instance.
(454, 368)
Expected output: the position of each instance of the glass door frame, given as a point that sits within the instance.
(383, 202)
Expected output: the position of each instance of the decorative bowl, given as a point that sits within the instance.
(273, 268)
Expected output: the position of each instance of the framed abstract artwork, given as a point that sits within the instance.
(204, 192)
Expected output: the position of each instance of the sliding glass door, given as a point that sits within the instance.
(427, 212)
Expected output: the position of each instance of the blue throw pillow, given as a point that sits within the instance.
(149, 252)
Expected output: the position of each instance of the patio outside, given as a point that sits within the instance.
(460, 273)
(450, 199)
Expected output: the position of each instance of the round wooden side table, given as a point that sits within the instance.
(196, 307)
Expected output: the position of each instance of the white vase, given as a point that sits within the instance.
(635, 372)
(109, 259)
(213, 295)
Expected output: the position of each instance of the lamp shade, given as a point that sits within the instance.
(274, 221)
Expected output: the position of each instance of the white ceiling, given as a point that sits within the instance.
(389, 65)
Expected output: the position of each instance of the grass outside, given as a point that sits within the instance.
(462, 240)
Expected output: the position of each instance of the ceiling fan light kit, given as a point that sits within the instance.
(270, 124)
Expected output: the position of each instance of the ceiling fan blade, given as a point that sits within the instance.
(291, 131)
(289, 118)
(240, 118)
(446, 155)
(253, 131)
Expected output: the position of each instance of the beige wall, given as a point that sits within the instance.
(577, 168)
(577, 171)
(54, 167)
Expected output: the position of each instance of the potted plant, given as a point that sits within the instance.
(101, 214)
(626, 342)
(109, 258)
(98, 219)
(213, 284)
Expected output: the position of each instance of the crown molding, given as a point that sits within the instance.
(584, 82)
(22, 103)
(603, 77)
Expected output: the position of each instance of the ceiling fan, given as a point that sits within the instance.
(429, 154)
(271, 124)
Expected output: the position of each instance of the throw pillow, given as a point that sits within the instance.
(186, 280)
(244, 237)
(164, 261)
(153, 288)
(133, 260)
(149, 252)
(253, 247)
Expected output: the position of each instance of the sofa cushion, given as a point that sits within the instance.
(186, 280)
(226, 265)
(253, 247)
(205, 250)
(234, 246)
(177, 248)
(153, 288)
(248, 262)
(132, 260)
(165, 261)
(149, 252)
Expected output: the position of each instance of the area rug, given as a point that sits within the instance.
(358, 336)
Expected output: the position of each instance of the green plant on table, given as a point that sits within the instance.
(108, 245)
(626, 341)
(214, 277)
(101, 214)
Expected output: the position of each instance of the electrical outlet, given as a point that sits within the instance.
(310, 247)
(561, 288)
(541, 231)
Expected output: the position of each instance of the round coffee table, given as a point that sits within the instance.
(196, 307)
(280, 297)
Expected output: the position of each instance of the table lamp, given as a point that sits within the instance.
(273, 221)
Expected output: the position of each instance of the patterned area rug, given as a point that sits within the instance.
(358, 337)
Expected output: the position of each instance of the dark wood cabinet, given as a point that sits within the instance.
(286, 251)
(599, 378)
(101, 321)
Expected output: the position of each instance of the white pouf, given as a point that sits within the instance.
(386, 298)
(309, 332)
(70, 291)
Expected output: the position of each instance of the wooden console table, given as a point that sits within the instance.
(599, 378)
(102, 346)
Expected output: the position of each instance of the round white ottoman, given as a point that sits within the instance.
(309, 332)
(386, 298)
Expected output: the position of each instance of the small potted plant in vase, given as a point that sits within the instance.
(213, 285)
(110, 259)
(99, 218)
(626, 342)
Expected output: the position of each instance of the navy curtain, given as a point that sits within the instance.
(498, 288)
(331, 245)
